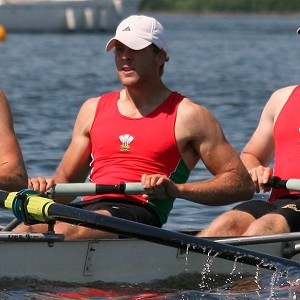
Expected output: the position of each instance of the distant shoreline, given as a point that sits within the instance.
(176, 13)
(265, 7)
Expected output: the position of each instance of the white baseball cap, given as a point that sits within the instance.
(138, 32)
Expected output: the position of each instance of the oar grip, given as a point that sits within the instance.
(87, 189)
(74, 189)
(293, 184)
(138, 189)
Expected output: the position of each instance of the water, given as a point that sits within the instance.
(230, 64)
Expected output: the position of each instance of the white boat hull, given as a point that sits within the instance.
(64, 15)
(119, 261)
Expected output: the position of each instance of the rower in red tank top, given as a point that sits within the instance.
(124, 148)
(145, 132)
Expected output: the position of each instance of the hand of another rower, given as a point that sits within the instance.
(40, 184)
(260, 176)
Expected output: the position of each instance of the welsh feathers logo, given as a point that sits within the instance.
(125, 140)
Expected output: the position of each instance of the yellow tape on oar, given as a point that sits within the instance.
(28, 206)
(8, 203)
(37, 207)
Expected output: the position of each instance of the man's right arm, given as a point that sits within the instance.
(74, 166)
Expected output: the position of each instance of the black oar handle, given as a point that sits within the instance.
(87, 189)
(290, 184)
(276, 182)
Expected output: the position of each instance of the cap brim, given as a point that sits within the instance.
(133, 42)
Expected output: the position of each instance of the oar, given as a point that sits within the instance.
(85, 189)
(44, 210)
(289, 184)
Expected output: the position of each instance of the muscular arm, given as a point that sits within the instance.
(200, 137)
(13, 175)
(74, 166)
(230, 181)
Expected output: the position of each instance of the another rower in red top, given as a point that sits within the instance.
(277, 137)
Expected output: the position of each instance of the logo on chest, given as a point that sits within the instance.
(125, 140)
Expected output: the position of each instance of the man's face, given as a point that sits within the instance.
(134, 66)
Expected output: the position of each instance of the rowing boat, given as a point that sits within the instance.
(147, 255)
(49, 257)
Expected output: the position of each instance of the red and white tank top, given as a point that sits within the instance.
(124, 148)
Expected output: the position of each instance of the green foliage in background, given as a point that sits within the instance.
(233, 6)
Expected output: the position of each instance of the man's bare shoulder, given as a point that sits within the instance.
(277, 101)
(284, 92)
(2, 96)
(279, 98)
(5, 111)
(92, 101)
(90, 104)
(3, 99)
(195, 121)
(190, 109)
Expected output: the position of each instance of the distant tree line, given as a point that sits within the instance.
(226, 6)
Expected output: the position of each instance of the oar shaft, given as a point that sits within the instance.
(43, 209)
(83, 189)
(86, 189)
(161, 236)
